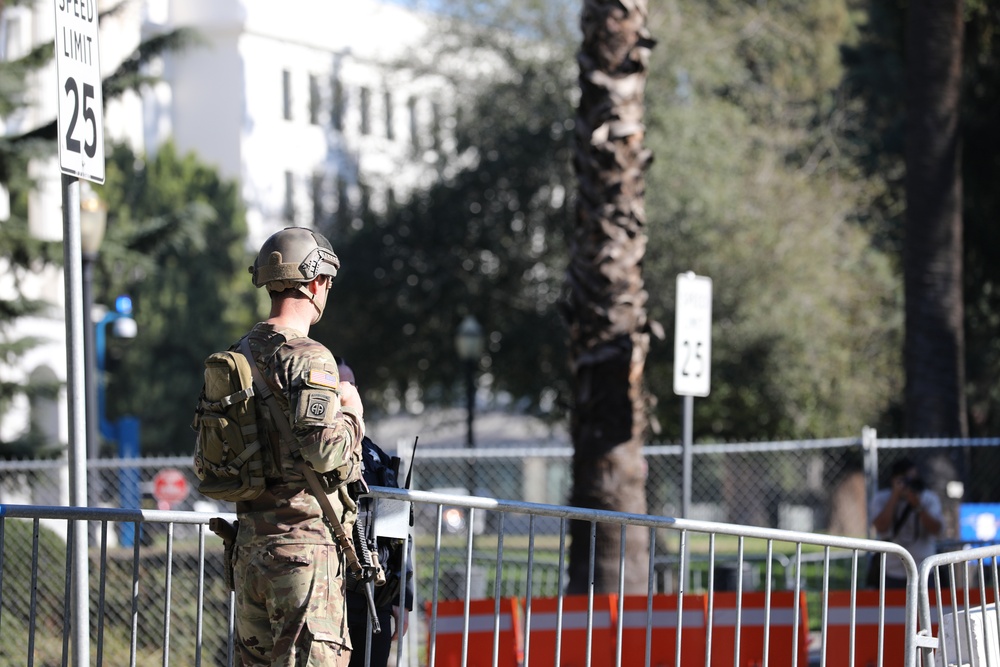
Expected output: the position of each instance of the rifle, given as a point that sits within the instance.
(344, 541)
(361, 572)
(413, 455)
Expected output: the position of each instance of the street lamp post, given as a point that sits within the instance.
(469, 346)
(93, 222)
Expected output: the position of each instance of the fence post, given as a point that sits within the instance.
(869, 448)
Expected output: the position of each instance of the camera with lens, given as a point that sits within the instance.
(915, 484)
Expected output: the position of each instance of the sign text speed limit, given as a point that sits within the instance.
(81, 103)
(693, 335)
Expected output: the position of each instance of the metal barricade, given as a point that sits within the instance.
(510, 609)
(771, 626)
(959, 617)
(147, 602)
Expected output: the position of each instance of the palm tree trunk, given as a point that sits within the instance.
(606, 299)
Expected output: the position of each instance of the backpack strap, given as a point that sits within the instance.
(264, 391)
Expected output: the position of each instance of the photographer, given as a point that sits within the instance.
(908, 514)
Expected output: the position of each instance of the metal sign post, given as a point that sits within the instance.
(81, 155)
(73, 276)
(692, 357)
(692, 364)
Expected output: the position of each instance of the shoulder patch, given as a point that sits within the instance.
(318, 378)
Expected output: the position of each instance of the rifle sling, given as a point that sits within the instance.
(264, 391)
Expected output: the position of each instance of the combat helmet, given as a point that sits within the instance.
(292, 257)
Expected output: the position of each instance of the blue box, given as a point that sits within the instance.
(979, 522)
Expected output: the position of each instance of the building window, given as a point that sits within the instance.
(389, 133)
(365, 111)
(319, 212)
(289, 208)
(460, 144)
(337, 107)
(436, 125)
(11, 36)
(314, 99)
(286, 93)
(411, 108)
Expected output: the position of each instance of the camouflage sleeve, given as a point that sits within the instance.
(329, 434)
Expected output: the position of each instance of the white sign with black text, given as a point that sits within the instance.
(693, 335)
(81, 102)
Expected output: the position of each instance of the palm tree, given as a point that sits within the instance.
(605, 305)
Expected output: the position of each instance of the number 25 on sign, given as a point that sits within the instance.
(81, 103)
(693, 335)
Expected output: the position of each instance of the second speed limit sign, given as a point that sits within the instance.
(81, 103)
(693, 335)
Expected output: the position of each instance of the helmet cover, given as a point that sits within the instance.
(291, 257)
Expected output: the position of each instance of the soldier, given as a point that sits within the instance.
(288, 572)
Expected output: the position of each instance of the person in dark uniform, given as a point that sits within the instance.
(378, 469)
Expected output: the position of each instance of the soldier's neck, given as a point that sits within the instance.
(292, 313)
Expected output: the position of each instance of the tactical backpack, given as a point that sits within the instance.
(229, 456)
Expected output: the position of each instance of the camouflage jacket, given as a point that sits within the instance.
(303, 375)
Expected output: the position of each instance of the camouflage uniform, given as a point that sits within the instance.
(288, 572)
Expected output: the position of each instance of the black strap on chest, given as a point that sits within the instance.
(901, 519)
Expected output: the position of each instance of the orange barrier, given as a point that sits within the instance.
(572, 643)
(663, 636)
(780, 639)
(482, 614)
(866, 627)
(866, 623)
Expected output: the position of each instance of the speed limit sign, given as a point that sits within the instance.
(693, 335)
(81, 103)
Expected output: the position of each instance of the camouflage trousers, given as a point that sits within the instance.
(290, 607)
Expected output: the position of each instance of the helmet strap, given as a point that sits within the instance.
(304, 288)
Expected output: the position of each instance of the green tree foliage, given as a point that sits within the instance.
(175, 243)
(755, 184)
(750, 187)
(488, 239)
(21, 255)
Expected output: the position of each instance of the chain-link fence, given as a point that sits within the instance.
(810, 486)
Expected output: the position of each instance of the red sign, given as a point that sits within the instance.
(170, 486)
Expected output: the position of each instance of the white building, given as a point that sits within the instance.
(296, 99)
(303, 101)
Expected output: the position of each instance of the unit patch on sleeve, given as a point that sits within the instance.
(317, 407)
